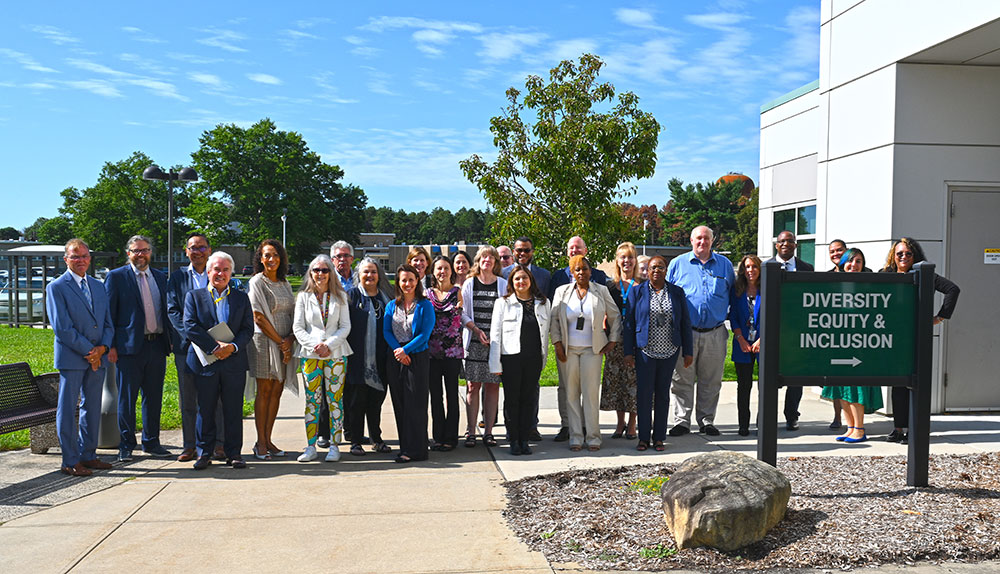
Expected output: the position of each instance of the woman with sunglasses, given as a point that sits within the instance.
(321, 324)
(903, 255)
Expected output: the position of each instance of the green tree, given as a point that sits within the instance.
(31, 231)
(55, 231)
(258, 172)
(122, 204)
(710, 204)
(744, 240)
(562, 174)
(9, 233)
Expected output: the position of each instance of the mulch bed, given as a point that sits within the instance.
(844, 512)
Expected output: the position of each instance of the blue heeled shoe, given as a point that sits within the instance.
(843, 438)
(863, 437)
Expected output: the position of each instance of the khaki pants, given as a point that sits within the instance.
(706, 370)
(582, 380)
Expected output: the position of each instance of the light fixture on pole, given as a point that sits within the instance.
(645, 224)
(154, 173)
(284, 218)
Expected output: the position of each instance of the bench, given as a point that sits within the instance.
(29, 402)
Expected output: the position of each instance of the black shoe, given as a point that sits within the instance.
(895, 436)
(534, 435)
(679, 430)
(710, 430)
(562, 435)
(323, 442)
(905, 439)
(792, 425)
(525, 447)
(236, 463)
(124, 454)
(157, 451)
(515, 448)
(203, 462)
(744, 431)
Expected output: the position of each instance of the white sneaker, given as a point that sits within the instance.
(334, 454)
(308, 454)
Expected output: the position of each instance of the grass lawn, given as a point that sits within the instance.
(34, 346)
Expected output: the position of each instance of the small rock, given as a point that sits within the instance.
(724, 500)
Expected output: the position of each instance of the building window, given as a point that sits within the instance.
(802, 222)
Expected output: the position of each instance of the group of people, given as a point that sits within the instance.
(648, 342)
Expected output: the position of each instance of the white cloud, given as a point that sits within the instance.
(264, 79)
(637, 18)
(803, 48)
(89, 66)
(572, 49)
(145, 64)
(717, 20)
(193, 59)
(504, 46)
(356, 40)
(366, 51)
(159, 88)
(223, 39)
(54, 35)
(329, 90)
(26, 61)
(210, 80)
(429, 40)
(140, 35)
(650, 61)
(396, 22)
(378, 82)
(99, 87)
(307, 23)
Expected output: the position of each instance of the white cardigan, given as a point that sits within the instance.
(309, 330)
(604, 308)
(467, 293)
(505, 329)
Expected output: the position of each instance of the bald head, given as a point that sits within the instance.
(701, 242)
(576, 246)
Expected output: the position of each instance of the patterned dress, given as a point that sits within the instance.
(277, 297)
(618, 383)
(446, 338)
(477, 357)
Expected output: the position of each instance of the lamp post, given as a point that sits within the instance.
(284, 218)
(154, 173)
(645, 237)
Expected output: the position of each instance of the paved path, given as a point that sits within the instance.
(363, 514)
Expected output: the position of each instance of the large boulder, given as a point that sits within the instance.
(724, 500)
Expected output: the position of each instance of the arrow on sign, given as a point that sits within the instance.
(853, 361)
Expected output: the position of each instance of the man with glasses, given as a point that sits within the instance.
(785, 255)
(77, 306)
(506, 256)
(524, 252)
(137, 297)
(193, 276)
(342, 254)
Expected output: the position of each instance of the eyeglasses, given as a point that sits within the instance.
(505, 257)
(199, 248)
(902, 254)
(320, 270)
(523, 249)
(343, 256)
(140, 251)
(656, 268)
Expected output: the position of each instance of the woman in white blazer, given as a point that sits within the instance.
(519, 342)
(585, 325)
(321, 324)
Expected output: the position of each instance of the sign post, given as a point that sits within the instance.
(840, 329)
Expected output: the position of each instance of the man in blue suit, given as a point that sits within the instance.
(137, 296)
(225, 378)
(77, 306)
(192, 277)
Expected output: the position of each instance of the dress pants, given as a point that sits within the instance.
(520, 393)
(79, 446)
(324, 414)
(707, 368)
(793, 396)
(652, 394)
(444, 400)
(187, 391)
(901, 407)
(744, 387)
(409, 386)
(583, 380)
(363, 402)
(229, 388)
(141, 372)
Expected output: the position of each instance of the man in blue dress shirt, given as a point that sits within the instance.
(707, 279)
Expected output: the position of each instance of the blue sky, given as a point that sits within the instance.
(396, 93)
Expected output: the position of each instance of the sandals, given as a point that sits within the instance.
(403, 459)
(843, 437)
(257, 454)
(357, 449)
(470, 440)
(642, 446)
(658, 446)
(593, 448)
(446, 447)
(381, 447)
(618, 433)
(489, 441)
(576, 448)
(631, 436)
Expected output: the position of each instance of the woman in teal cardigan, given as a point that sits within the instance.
(409, 320)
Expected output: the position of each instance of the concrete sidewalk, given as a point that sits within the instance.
(363, 514)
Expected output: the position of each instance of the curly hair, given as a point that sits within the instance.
(258, 265)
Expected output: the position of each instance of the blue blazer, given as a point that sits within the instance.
(739, 318)
(127, 313)
(423, 324)
(637, 320)
(177, 289)
(200, 316)
(77, 328)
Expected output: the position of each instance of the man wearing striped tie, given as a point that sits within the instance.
(138, 299)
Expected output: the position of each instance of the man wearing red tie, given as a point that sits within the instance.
(137, 295)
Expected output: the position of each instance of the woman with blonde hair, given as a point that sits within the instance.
(420, 259)
(618, 383)
(479, 293)
(321, 324)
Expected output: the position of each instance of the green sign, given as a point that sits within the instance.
(847, 329)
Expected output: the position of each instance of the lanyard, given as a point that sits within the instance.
(221, 297)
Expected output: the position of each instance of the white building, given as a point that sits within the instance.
(900, 136)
